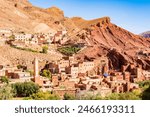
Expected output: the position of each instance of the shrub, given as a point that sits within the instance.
(123, 96)
(47, 74)
(6, 92)
(69, 97)
(146, 94)
(44, 96)
(25, 89)
(4, 79)
(44, 49)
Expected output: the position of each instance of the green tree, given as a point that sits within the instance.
(68, 50)
(44, 49)
(47, 74)
(123, 96)
(69, 97)
(144, 84)
(25, 89)
(146, 94)
(128, 96)
(44, 96)
(6, 92)
(113, 96)
(4, 79)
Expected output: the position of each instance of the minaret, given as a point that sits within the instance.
(36, 68)
(37, 78)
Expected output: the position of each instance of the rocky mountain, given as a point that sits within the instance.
(20, 15)
(104, 38)
(146, 34)
(100, 36)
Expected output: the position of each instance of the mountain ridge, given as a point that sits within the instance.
(100, 35)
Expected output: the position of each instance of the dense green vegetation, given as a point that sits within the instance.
(135, 95)
(6, 92)
(69, 97)
(69, 50)
(30, 91)
(25, 89)
(25, 49)
(44, 49)
(146, 94)
(43, 96)
(46, 73)
(145, 85)
(4, 79)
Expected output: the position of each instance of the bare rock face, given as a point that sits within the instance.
(56, 12)
(121, 46)
(146, 34)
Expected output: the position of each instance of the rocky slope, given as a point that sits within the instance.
(146, 34)
(20, 15)
(9, 55)
(100, 35)
(105, 38)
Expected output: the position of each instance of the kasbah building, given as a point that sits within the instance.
(78, 78)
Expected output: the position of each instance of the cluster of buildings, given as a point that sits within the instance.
(41, 38)
(5, 32)
(37, 38)
(14, 74)
(80, 78)
(90, 77)
(72, 76)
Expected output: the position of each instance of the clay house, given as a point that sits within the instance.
(67, 84)
(72, 70)
(146, 74)
(19, 76)
(55, 80)
(62, 86)
(33, 40)
(41, 40)
(9, 69)
(102, 64)
(58, 36)
(52, 67)
(14, 74)
(86, 66)
(61, 92)
(136, 74)
(92, 80)
(65, 62)
(2, 70)
(127, 76)
(5, 32)
(23, 37)
(80, 85)
(92, 89)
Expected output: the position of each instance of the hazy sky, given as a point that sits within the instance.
(133, 15)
